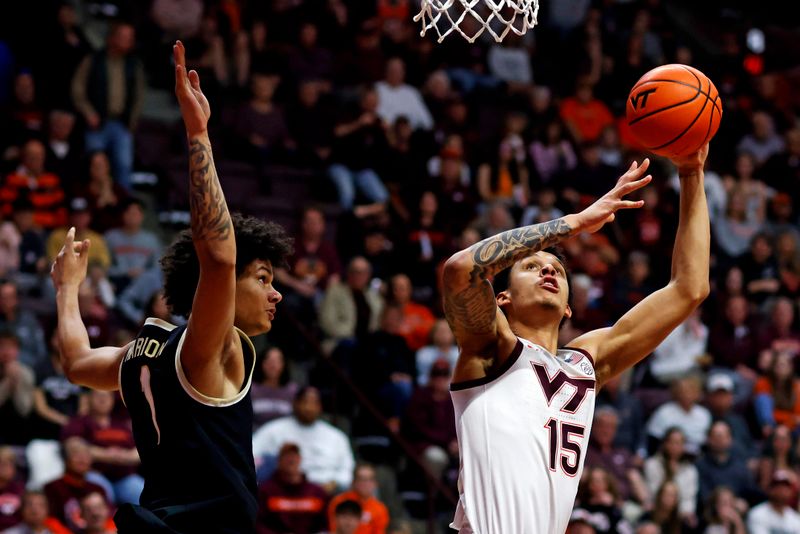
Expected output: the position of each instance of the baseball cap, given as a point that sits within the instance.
(719, 381)
(78, 204)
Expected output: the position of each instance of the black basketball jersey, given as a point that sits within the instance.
(196, 451)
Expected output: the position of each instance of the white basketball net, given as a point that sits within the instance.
(497, 17)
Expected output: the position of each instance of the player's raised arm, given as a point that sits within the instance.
(95, 368)
(210, 324)
(469, 301)
(646, 325)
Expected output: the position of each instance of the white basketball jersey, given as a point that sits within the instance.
(522, 435)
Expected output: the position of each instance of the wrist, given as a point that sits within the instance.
(575, 221)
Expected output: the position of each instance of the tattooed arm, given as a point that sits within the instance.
(211, 352)
(469, 302)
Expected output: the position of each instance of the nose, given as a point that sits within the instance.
(548, 270)
(274, 295)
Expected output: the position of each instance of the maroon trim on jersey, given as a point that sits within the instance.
(511, 360)
(585, 353)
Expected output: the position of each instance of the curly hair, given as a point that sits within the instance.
(255, 240)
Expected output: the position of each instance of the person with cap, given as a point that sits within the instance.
(287, 501)
(776, 515)
(80, 217)
(720, 402)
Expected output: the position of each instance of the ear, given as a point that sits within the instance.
(503, 298)
(568, 312)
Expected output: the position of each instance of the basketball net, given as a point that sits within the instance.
(497, 17)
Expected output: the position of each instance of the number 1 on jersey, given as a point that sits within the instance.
(560, 431)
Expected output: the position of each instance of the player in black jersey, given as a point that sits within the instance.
(187, 388)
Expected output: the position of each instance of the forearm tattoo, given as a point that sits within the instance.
(210, 217)
(473, 308)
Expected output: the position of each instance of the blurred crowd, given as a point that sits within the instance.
(400, 151)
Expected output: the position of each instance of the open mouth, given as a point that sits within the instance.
(271, 314)
(550, 284)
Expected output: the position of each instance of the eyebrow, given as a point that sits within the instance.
(264, 267)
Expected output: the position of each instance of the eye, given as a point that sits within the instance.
(262, 279)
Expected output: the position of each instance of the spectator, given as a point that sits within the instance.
(65, 493)
(327, 457)
(776, 515)
(666, 509)
(108, 89)
(351, 310)
(683, 412)
(762, 142)
(426, 243)
(348, 516)
(63, 153)
(80, 216)
(777, 395)
(760, 270)
(417, 319)
(779, 454)
(134, 302)
(105, 196)
(55, 399)
(24, 324)
(32, 261)
(359, 146)
(552, 154)
(585, 115)
(373, 517)
(272, 391)
(16, 391)
(309, 60)
(442, 347)
(722, 513)
(505, 176)
(96, 514)
(510, 62)
(11, 489)
(133, 250)
(672, 464)
(25, 117)
(287, 501)
(719, 465)
(429, 421)
(397, 98)
(734, 231)
(788, 256)
(310, 123)
(732, 344)
(632, 285)
(781, 170)
(42, 188)
(720, 402)
(631, 433)
(779, 332)
(617, 461)
(311, 268)
(67, 46)
(599, 497)
(260, 123)
(544, 210)
(35, 519)
(111, 444)
(681, 352)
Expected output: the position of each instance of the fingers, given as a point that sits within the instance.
(636, 171)
(630, 204)
(630, 187)
(194, 79)
(69, 239)
(179, 53)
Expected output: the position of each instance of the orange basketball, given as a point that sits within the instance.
(673, 110)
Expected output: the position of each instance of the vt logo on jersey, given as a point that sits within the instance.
(551, 386)
(641, 96)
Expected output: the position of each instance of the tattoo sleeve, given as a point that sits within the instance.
(210, 218)
(471, 307)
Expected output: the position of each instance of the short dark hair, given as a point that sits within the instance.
(255, 240)
(501, 279)
(7, 333)
(348, 507)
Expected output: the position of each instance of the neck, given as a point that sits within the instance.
(543, 335)
(272, 382)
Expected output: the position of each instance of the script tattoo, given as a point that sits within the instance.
(473, 308)
(210, 217)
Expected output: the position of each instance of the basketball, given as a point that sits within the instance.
(673, 110)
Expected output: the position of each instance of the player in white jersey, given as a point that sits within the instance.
(523, 408)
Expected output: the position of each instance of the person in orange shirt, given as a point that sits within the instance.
(777, 395)
(374, 515)
(417, 319)
(585, 115)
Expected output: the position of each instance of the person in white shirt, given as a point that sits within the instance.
(776, 516)
(325, 450)
(678, 355)
(397, 98)
(683, 412)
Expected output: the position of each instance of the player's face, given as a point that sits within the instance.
(537, 282)
(256, 299)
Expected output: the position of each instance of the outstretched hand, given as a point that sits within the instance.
(69, 268)
(194, 105)
(603, 210)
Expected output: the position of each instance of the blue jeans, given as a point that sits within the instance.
(114, 138)
(366, 180)
(124, 490)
